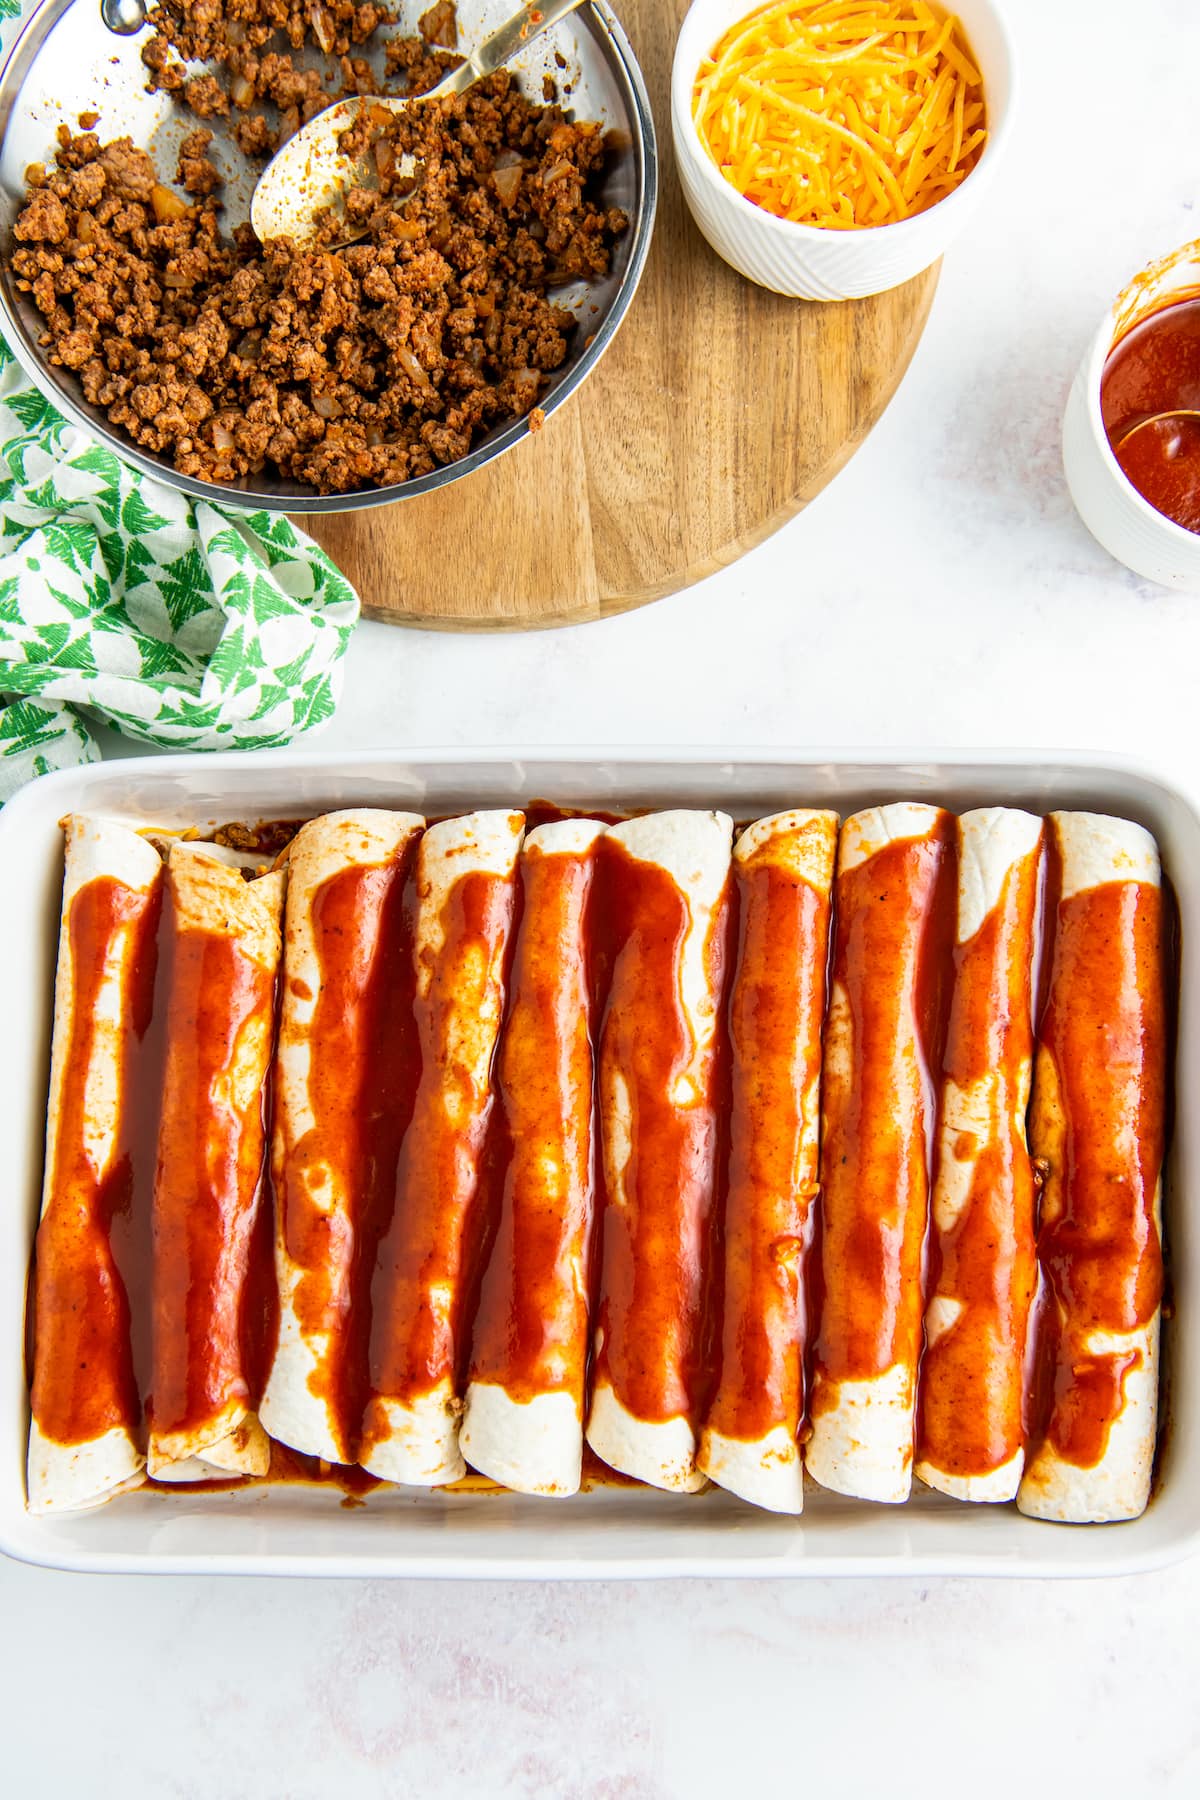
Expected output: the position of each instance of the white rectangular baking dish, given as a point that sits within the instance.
(298, 1530)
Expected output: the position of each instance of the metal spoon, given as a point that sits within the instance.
(1176, 412)
(311, 171)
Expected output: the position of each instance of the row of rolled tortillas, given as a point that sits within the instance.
(518, 1416)
(971, 1348)
(519, 1413)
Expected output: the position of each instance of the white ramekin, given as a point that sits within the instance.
(1108, 503)
(804, 260)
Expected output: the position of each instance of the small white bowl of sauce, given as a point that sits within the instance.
(1131, 434)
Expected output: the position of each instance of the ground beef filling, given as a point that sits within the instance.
(338, 364)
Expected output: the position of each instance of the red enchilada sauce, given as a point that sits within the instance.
(776, 1008)
(657, 1239)
(1151, 382)
(85, 1381)
(972, 1388)
(214, 1297)
(1103, 1040)
(361, 1088)
(531, 1325)
(417, 1342)
(895, 915)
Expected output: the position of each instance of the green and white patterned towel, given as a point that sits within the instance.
(123, 600)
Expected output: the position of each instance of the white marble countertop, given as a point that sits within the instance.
(975, 610)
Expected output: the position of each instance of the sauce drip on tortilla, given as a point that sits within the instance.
(86, 1381)
(972, 1389)
(652, 1325)
(894, 930)
(364, 1072)
(530, 1332)
(1153, 374)
(1102, 1046)
(777, 1004)
(214, 1289)
(427, 1260)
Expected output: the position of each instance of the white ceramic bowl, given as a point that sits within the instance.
(804, 260)
(298, 1530)
(1108, 503)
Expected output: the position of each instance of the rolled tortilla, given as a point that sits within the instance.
(661, 886)
(784, 874)
(343, 1069)
(466, 885)
(1096, 1131)
(894, 922)
(971, 1424)
(523, 1414)
(221, 948)
(85, 1440)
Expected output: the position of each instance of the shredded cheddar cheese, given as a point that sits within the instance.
(842, 113)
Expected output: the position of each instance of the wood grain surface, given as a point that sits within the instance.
(718, 412)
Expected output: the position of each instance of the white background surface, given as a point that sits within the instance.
(942, 591)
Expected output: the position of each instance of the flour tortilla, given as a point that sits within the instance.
(694, 849)
(293, 1409)
(212, 897)
(768, 1471)
(1095, 850)
(532, 1446)
(70, 1477)
(861, 1442)
(413, 1436)
(532, 1442)
(992, 842)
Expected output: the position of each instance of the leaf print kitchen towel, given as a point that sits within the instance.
(123, 600)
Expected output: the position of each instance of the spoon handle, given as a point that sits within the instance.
(1171, 412)
(511, 38)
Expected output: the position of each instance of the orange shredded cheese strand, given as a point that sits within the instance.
(842, 113)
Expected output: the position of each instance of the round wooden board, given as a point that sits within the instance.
(719, 411)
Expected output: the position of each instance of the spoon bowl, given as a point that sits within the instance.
(311, 172)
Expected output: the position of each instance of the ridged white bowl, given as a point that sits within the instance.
(803, 260)
(1110, 506)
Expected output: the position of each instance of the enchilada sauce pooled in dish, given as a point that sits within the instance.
(1150, 403)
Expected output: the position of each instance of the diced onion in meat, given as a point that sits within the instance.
(167, 204)
(507, 179)
(323, 30)
(412, 368)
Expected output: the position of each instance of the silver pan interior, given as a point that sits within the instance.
(68, 60)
